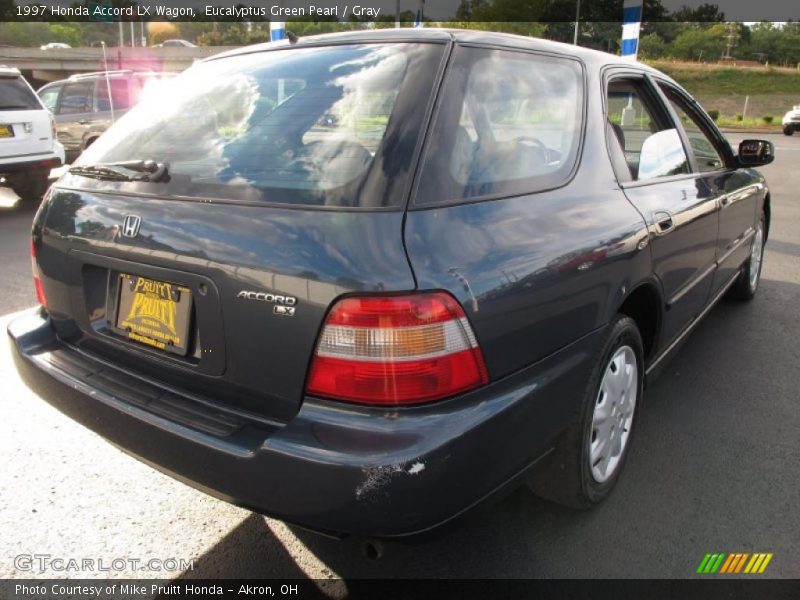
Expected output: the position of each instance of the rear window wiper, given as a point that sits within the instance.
(150, 171)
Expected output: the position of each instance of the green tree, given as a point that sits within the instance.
(18, 33)
(517, 27)
(696, 43)
(7, 11)
(67, 33)
(765, 43)
(789, 48)
(651, 46)
(192, 30)
(704, 15)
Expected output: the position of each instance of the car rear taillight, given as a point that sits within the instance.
(53, 127)
(392, 350)
(37, 282)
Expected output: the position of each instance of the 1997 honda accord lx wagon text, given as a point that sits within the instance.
(362, 282)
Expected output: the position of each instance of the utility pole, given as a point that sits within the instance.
(108, 82)
(577, 19)
(397, 14)
(732, 39)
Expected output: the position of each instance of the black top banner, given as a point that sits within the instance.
(386, 11)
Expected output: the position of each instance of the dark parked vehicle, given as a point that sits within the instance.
(362, 282)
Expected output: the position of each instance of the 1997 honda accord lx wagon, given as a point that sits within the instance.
(362, 282)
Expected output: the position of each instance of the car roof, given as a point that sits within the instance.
(9, 71)
(595, 58)
(125, 73)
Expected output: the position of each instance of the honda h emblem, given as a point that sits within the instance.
(130, 226)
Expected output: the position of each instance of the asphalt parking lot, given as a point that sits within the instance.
(714, 466)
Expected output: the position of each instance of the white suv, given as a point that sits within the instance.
(28, 147)
(791, 121)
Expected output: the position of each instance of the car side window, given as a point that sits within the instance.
(708, 157)
(651, 147)
(119, 94)
(76, 98)
(509, 123)
(49, 98)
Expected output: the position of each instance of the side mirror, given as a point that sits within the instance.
(755, 153)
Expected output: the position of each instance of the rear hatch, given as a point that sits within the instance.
(25, 129)
(281, 186)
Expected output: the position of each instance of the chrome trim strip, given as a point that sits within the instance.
(686, 289)
(748, 234)
(693, 324)
(690, 286)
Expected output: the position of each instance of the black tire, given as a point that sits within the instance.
(746, 285)
(565, 475)
(788, 130)
(30, 186)
(37, 187)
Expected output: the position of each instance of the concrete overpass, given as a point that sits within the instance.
(43, 66)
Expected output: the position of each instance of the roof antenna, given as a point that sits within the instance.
(292, 37)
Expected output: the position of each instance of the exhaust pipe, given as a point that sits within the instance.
(373, 549)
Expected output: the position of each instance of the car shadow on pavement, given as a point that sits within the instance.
(789, 248)
(691, 447)
(249, 551)
(252, 550)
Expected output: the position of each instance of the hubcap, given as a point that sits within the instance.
(613, 413)
(756, 252)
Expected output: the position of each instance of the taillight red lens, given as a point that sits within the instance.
(37, 282)
(393, 350)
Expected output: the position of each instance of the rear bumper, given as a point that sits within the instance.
(38, 162)
(332, 468)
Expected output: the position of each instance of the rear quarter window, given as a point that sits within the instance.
(49, 97)
(508, 123)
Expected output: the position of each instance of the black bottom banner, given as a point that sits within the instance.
(407, 589)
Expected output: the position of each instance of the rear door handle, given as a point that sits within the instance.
(664, 222)
(724, 201)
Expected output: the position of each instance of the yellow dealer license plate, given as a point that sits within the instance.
(155, 313)
(6, 131)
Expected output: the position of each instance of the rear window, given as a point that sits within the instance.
(16, 95)
(325, 126)
(509, 123)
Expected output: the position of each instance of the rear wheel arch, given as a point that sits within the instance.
(644, 305)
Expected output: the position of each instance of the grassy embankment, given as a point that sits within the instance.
(772, 90)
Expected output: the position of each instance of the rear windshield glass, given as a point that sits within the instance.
(16, 95)
(509, 123)
(332, 126)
